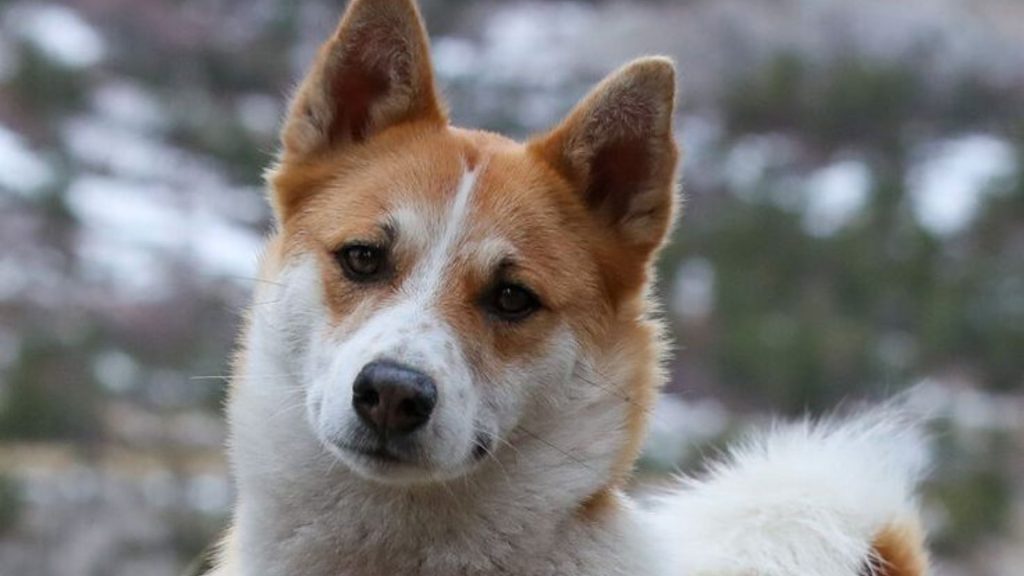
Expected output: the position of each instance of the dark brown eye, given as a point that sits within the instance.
(513, 302)
(361, 262)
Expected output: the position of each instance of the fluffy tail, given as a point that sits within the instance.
(832, 498)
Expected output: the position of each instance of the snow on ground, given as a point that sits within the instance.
(34, 276)
(970, 409)
(548, 44)
(260, 113)
(116, 370)
(120, 150)
(693, 289)
(952, 178)
(21, 169)
(534, 46)
(128, 104)
(947, 184)
(142, 201)
(753, 159)
(701, 139)
(106, 145)
(59, 32)
(538, 45)
(834, 196)
(129, 228)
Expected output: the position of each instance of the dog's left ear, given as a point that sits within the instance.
(617, 150)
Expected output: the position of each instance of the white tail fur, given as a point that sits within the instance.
(805, 499)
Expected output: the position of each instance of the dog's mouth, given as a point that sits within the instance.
(379, 453)
(390, 461)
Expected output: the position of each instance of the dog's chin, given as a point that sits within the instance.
(385, 466)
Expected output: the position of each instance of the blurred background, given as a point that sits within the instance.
(854, 228)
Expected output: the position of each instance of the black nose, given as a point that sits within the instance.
(393, 399)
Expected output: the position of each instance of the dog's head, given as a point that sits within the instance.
(442, 285)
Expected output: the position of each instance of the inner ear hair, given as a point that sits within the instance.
(375, 72)
(617, 150)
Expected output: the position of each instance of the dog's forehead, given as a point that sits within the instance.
(482, 214)
(461, 204)
(472, 192)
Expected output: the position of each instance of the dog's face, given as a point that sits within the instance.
(450, 292)
(442, 284)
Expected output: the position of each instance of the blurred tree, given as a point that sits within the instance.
(10, 504)
(803, 321)
(50, 393)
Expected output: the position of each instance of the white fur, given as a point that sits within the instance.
(800, 499)
(305, 508)
(432, 269)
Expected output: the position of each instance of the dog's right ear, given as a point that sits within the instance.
(374, 73)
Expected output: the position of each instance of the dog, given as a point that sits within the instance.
(452, 355)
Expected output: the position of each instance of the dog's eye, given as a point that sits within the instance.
(361, 262)
(512, 302)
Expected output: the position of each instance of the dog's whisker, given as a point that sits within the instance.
(555, 448)
(291, 408)
(492, 455)
(621, 396)
(511, 446)
(252, 279)
(332, 466)
(264, 303)
(229, 377)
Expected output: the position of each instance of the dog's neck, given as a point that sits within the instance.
(523, 511)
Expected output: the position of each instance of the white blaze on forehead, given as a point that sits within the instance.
(410, 330)
(429, 273)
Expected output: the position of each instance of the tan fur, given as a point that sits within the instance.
(609, 169)
(374, 73)
(617, 150)
(520, 198)
(899, 550)
(577, 214)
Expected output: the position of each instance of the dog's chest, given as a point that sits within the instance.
(367, 546)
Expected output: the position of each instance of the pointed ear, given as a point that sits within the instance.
(617, 150)
(375, 72)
